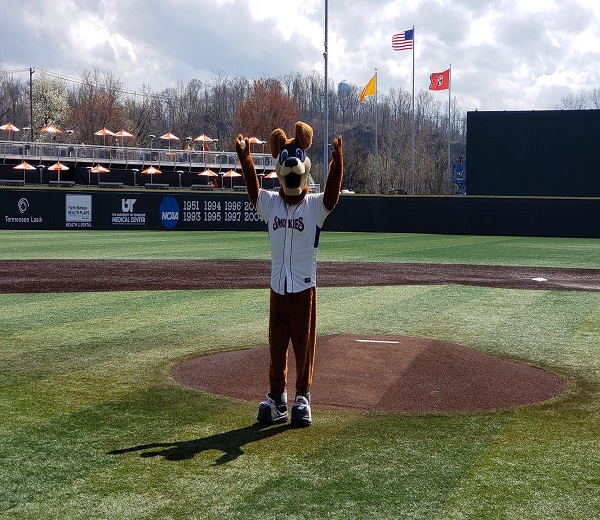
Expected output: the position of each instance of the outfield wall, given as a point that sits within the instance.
(105, 209)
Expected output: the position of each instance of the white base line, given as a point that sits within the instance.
(374, 341)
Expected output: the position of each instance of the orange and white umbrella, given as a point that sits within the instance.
(122, 134)
(24, 166)
(151, 170)
(9, 127)
(58, 166)
(50, 129)
(97, 169)
(231, 174)
(255, 140)
(208, 173)
(272, 175)
(104, 132)
(204, 139)
(170, 137)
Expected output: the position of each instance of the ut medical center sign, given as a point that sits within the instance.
(176, 211)
(104, 209)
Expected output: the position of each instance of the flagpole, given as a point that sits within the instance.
(449, 118)
(376, 149)
(413, 114)
(326, 108)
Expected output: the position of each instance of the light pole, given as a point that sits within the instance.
(70, 132)
(31, 71)
(25, 146)
(41, 168)
(152, 136)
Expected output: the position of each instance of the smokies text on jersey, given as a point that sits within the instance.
(291, 223)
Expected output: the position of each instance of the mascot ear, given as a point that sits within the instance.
(304, 135)
(277, 142)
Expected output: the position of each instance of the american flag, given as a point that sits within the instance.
(403, 41)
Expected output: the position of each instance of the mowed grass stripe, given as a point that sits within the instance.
(541, 465)
(334, 246)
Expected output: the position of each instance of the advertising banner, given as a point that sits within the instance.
(24, 210)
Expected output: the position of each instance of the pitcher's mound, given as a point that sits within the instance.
(375, 373)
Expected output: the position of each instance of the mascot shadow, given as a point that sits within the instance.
(230, 443)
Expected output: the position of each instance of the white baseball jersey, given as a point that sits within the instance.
(294, 237)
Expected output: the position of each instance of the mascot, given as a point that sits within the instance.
(294, 218)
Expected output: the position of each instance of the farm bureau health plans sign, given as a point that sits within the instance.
(78, 211)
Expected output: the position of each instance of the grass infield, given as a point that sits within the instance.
(93, 427)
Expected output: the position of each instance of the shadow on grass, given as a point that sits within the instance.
(230, 443)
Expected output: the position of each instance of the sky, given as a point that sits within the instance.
(504, 54)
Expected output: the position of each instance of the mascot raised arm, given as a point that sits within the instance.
(294, 218)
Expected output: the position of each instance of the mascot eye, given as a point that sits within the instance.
(283, 156)
(300, 154)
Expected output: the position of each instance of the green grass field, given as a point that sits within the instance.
(92, 426)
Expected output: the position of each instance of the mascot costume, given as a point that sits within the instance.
(294, 218)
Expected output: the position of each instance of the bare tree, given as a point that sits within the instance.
(266, 108)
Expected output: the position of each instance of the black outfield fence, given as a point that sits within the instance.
(185, 210)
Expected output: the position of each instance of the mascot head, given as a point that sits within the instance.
(293, 166)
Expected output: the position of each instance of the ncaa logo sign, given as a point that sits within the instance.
(169, 212)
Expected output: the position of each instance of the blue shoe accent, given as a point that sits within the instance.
(272, 410)
(301, 415)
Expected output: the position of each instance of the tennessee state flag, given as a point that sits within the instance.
(439, 80)
(369, 89)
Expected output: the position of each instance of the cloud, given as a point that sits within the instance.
(505, 55)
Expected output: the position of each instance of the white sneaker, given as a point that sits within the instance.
(301, 415)
(273, 410)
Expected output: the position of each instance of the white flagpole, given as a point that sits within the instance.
(326, 109)
(449, 118)
(413, 114)
(376, 149)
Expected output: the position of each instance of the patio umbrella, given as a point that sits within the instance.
(151, 170)
(9, 127)
(272, 175)
(97, 169)
(58, 166)
(203, 139)
(170, 137)
(255, 140)
(104, 132)
(122, 134)
(51, 130)
(208, 173)
(24, 166)
(231, 174)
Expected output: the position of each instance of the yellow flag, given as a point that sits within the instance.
(369, 89)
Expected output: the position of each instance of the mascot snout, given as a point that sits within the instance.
(293, 166)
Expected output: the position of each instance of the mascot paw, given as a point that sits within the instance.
(241, 147)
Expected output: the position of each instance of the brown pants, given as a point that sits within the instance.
(293, 316)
